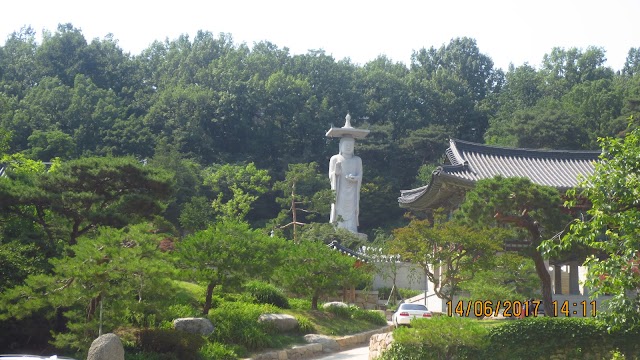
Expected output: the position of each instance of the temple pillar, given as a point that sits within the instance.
(574, 282)
(557, 275)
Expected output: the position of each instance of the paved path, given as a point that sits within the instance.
(360, 353)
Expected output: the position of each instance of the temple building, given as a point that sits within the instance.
(468, 162)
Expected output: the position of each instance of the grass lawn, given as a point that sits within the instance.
(327, 323)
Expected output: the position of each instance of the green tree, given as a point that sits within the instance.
(18, 69)
(533, 211)
(18, 260)
(62, 54)
(611, 229)
(42, 108)
(109, 67)
(75, 197)
(227, 254)
(196, 214)
(188, 177)
(425, 173)
(5, 139)
(188, 116)
(510, 277)
(237, 188)
(47, 145)
(427, 144)
(523, 88)
(562, 69)
(314, 270)
(306, 195)
(544, 126)
(595, 104)
(385, 86)
(91, 112)
(448, 253)
(124, 269)
(452, 84)
(632, 63)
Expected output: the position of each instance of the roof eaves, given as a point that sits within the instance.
(455, 158)
(462, 145)
(408, 197)
(433, 194)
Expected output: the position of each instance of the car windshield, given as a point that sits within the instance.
(413, 307)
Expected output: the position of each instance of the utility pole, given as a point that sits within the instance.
(294, 211)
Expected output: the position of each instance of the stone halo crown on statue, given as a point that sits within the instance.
(347, 130)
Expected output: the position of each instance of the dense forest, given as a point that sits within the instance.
(193, 104)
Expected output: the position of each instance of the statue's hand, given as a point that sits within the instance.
(338, 169)
(352, 177)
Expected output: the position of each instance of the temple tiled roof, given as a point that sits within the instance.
(470, 162)
(335, 244)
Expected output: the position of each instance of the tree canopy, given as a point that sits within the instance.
(533, 211)
(214, 101)
(448, 253)
(611, 229)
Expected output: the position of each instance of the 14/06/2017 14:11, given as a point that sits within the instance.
(516, 308)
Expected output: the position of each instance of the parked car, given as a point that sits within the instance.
(32, 357)
(407, 312)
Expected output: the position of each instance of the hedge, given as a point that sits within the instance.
(527, 339)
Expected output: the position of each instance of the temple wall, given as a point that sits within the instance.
(407, 276)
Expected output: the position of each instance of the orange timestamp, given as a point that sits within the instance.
(486, 308)
(518, 309)
(579, 308)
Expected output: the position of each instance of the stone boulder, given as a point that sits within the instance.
(334, 303)
(328, 343)
(106, 347)
(378, 344)
(282, 322)
(199, 326)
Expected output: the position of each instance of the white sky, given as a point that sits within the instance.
(508, 31)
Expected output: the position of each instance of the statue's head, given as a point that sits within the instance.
(346, 145)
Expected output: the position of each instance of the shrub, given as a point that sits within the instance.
(339, 311)
(305, 326)
(409, 293)
(538, 338)
(237, 323)
(181, 311)
(384, 292)
(374, 317)
(265, 293)
(528, 339)
(217, 351)
(300, 304)
(179, 343)
(438, 338)
(626, 342)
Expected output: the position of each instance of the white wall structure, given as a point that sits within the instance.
(570, 297)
